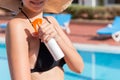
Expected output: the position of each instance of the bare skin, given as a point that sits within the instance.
(23, 46)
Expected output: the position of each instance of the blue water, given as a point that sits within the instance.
(98, 66)
(107, 66)
(4, 70)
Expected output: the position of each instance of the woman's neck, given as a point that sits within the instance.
(32, 15)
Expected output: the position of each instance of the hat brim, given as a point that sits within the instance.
(12, 5)
(52, 6)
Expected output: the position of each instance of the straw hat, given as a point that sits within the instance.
(53, 6)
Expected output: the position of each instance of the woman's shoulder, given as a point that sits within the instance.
(53, 20)
(16, 28)
(16, 24)
(15, 21)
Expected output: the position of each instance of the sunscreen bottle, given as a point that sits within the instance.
(52, 45)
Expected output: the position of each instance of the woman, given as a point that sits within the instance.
(26, 50)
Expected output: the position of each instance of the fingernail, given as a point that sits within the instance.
(35, 34)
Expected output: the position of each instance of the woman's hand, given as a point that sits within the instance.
(46, 31)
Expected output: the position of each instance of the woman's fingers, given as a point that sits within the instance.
(47, 31)
(44, 31)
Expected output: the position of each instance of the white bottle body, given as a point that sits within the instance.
(54, 49)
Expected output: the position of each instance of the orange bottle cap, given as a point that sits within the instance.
(36, 23)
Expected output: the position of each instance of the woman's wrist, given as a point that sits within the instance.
(57, 38)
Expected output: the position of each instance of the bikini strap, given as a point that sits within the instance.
(46, 18)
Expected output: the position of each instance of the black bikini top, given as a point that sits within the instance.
(45, 61)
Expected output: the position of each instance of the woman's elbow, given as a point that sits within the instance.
(79, 68)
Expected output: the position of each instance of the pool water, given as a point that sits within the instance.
(106, 66)
(4, 70)
(98, 66)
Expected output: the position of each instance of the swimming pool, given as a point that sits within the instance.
(4, 70)
(101, 63)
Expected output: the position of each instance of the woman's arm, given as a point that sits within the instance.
(17, 51)
(72, 58)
